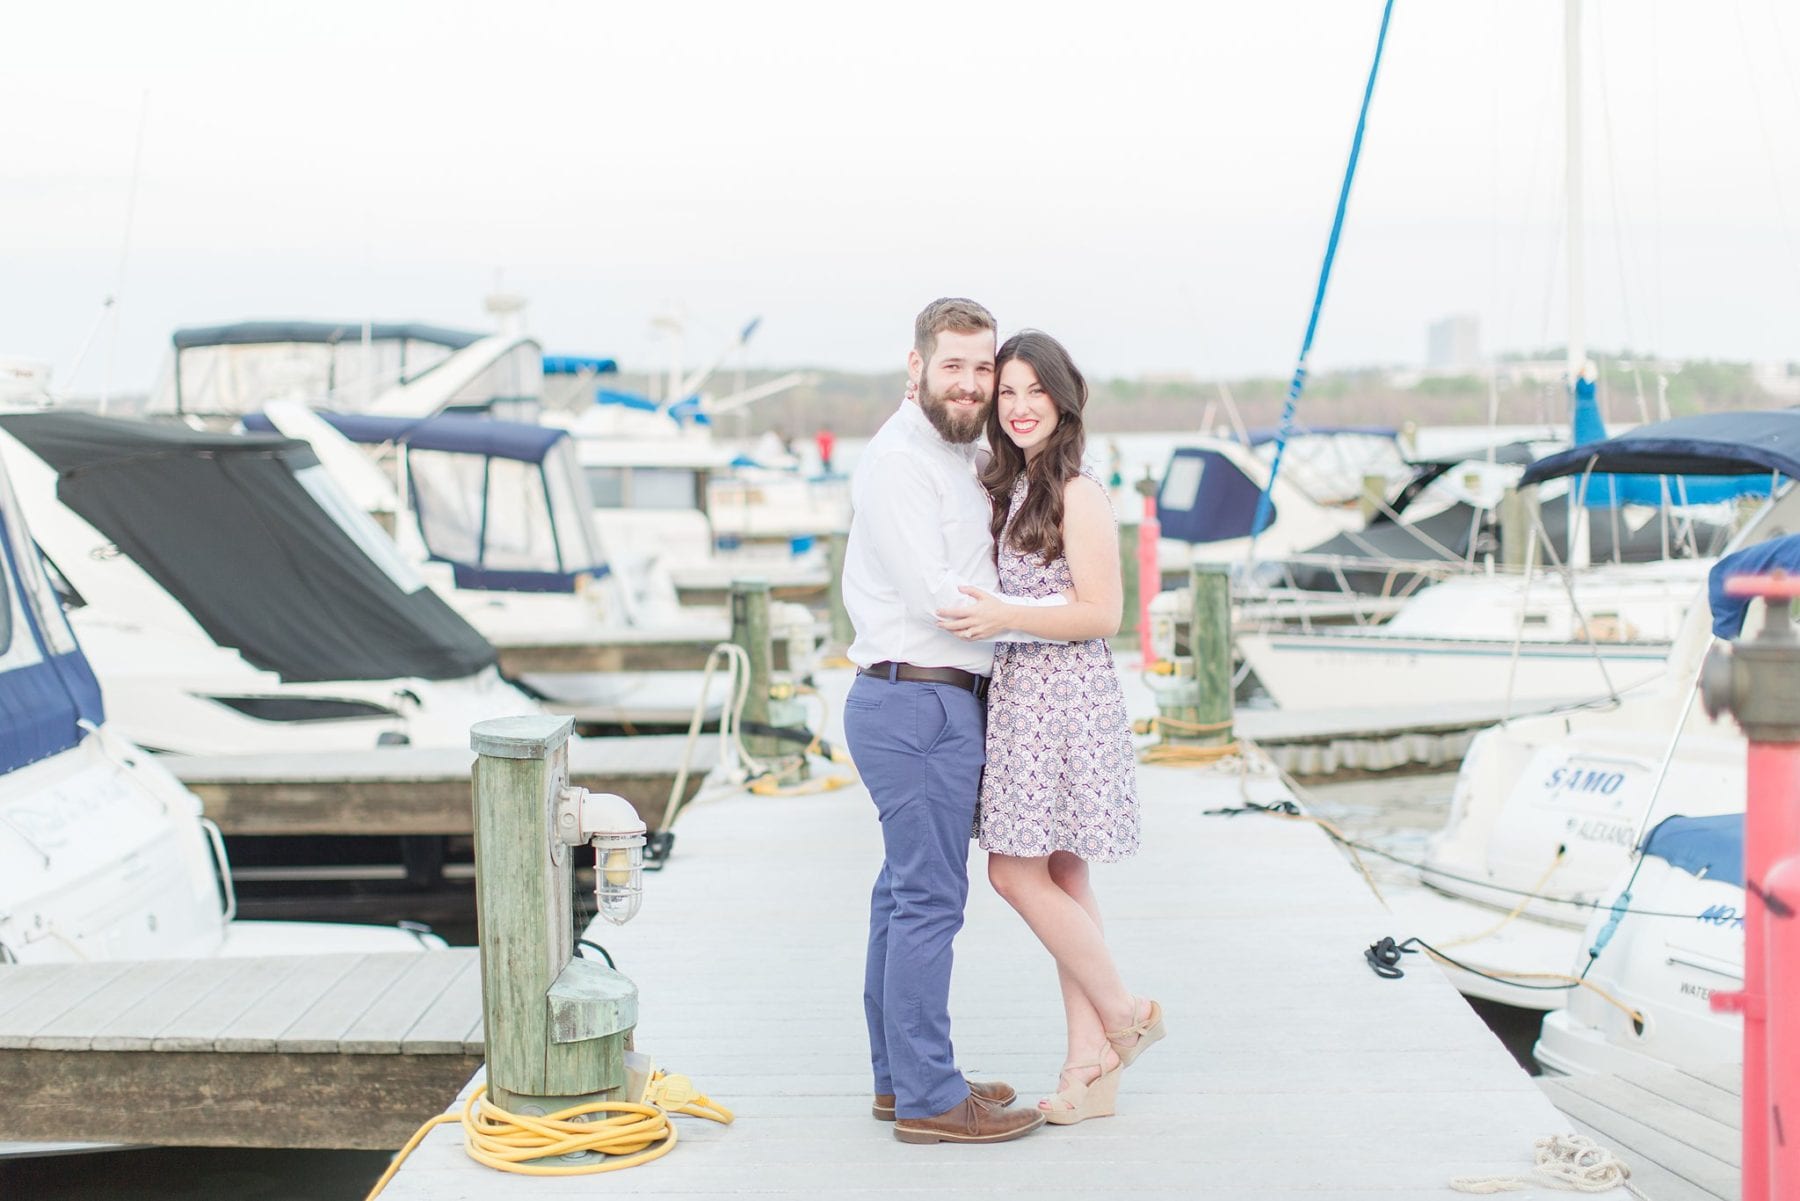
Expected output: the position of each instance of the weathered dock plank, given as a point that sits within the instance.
(64, 991)
(128, 1052)
(414, 790)
(1680, 1132)
(299, 985)
(383, 1028)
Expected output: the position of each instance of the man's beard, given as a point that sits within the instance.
(951, 426)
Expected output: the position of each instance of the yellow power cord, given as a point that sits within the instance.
(505, 1141)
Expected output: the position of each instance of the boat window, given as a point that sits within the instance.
(517, 535)
(66, 593)
(606, 485)
(663, 488)
(570, 507)
(516, 376)
(447, 491)
(303, 708)
(33, 582)
(361, 528)
(1181, 486)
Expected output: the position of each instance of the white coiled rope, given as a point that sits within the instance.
(1562, 1161)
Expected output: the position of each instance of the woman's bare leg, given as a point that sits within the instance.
(1053, 895)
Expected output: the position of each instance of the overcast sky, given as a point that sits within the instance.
(1151, 182)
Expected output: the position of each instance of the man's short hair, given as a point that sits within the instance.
(952, 313)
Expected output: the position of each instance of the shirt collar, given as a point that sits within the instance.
(919, 425)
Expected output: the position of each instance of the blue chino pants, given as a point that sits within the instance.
(920, 749)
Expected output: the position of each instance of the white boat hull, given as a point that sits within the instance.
(1324, 670)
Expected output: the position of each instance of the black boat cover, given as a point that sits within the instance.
(226, 526)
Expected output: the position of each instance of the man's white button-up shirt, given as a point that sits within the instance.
(919, 528)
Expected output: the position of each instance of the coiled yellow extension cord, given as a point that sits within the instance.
(505, 1141)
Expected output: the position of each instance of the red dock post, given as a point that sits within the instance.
(1758, 683)
(1149, 568)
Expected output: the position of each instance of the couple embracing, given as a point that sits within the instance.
(982, 584)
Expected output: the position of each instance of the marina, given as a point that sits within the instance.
(435, 763)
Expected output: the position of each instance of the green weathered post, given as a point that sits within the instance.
(1209, 646)
(750, 630)
(842, 632)
(1129, 574)
(556, 1025)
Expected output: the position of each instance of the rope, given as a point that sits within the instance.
(1383, 958)
(1532, 895)
(738, 764)
(507, 1141)
(1570, 1162)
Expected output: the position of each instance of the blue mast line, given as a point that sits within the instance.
(1263, 502)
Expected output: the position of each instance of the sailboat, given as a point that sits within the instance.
(1586, 629)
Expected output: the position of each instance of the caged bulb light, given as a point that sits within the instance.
(610, 825)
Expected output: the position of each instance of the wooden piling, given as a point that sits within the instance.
(1373, 496)
(1518, 526)
(842, 632)
(556, 1026)
(750, 630)
(1130, 576)
(1209, 645)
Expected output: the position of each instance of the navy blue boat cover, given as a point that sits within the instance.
(1712, 847)
(257, 333)
(47, 688)
(1747, 443)
(1777, 554)
(453, 433)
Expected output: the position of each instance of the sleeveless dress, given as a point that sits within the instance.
(1061, 770)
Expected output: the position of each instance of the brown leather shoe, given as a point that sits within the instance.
(974, 1121)
(987, 1090)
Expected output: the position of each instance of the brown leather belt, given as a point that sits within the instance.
(888, 670)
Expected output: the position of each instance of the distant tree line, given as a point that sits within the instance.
(854, 404)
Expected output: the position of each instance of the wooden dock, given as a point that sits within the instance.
(344, 1051)
(625, 651)
(630, 700)
(1681, 1132)
(1317, 743)
(1290, 1071)
(414, 790)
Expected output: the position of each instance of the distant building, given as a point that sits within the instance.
(1780, 380)
(1453, 344)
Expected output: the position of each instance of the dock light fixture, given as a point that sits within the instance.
(608, 823)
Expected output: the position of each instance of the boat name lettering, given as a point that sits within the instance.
(1722, 915)
(1573, 779)
(1593, 830)
(1696, 990)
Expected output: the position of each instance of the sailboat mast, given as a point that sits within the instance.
(1572, 185)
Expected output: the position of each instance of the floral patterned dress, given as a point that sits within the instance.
(1061, 770)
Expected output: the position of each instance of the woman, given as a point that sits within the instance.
(1060, 788)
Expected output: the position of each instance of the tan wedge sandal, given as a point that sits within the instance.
(1077, 1102)
(1148, 1031)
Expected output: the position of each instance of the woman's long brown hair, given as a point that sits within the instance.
(1038, 528)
